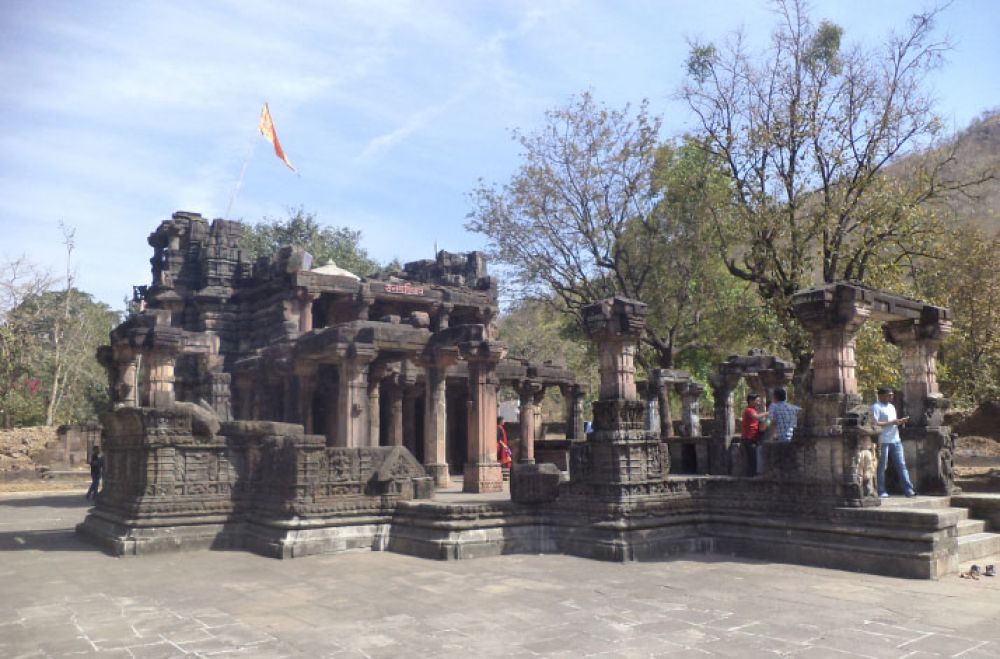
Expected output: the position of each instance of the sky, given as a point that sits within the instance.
(117, 114)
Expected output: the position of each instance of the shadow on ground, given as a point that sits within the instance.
(69, 500)
(44, 540)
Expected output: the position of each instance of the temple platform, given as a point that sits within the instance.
(923, 537)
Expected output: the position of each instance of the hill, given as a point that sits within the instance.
(976, 150)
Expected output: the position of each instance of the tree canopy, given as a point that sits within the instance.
(806, 131)
(301, 228)
(600, 207)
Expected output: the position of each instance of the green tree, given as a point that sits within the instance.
(537, 331)
(967, 281)
(302, 229)
(59, 357)
(20, 348)
(806, 131)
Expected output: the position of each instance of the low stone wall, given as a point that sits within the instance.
(263, 486)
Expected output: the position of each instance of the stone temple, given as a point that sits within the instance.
(288, 410)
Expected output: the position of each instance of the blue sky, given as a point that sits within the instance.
(116, 114)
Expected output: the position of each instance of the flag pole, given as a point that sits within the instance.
(243, 170)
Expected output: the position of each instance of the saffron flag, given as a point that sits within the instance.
(266, 128)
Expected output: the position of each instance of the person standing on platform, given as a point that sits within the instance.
(750, 430)
(96, 470)
(890, 447)
(504, 455)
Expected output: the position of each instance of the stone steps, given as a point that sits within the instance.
(968, 527)
(977, 546)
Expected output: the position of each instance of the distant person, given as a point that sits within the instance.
(96, 468)
(750, 426)
(889, 444)
(588, 427)
(504, 455)
(750, 429)
(784, 416)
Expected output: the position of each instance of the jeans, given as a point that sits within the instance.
(94, 482)
(895, 451)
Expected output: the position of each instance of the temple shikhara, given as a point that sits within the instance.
(291, 408)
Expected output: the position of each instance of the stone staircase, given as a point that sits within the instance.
(976, 545)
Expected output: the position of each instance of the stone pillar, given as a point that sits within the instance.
(374, 412)
(410, 395)
(435, 425)
(573, 397)
(444, 316)
(306, 374)
(660, 380)
(918, 344)
(352, 397)
(690, 393)
(482, 471)
(722, 384)
(161, 379)
(305, 312)
(394, 399)
(126, 387)
(529, 392)
(620, 459)
(833, 315)
(363, 301)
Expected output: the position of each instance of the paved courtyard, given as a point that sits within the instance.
(60, 597)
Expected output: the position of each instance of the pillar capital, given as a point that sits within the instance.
(918, 343)
(615, 320)
(904, 332)
(833, 315)
(616, 324)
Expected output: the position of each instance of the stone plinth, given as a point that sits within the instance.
(534, 483)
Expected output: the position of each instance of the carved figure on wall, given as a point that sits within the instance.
(866, 469)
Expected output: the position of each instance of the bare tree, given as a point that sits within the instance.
(593, 212)
(807, 130)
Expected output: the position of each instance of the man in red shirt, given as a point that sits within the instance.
(750, 433)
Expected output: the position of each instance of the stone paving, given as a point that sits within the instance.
(60, 597)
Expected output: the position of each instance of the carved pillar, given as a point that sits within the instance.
(690, 393)
(394, 399)
(529, 398)
(661, 380)
(126, 387)
(573, 396)
(615, 325)
(374, 412)
(833, 315)
(620, 458)
(305, 311)
(918, 344)
(444, 316)
(306, 374)
(482, 471)
(364, 300)
(722, 384)
(160, 378)
(410, 395)
(352, 397)
(435, 425)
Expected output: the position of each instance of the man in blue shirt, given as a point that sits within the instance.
(783, 415)
(889, 444)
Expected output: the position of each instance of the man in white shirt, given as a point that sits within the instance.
(889, 444)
